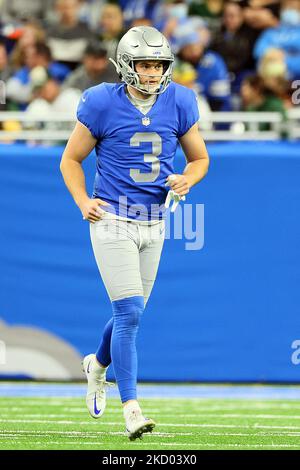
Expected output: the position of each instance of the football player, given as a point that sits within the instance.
(134, 127)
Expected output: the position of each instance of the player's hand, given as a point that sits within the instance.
(173, 195)
(91, 209)
(179, 184)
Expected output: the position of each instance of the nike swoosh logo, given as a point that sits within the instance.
(96, 411)
(88, 367)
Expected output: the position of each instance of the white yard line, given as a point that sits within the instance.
(174, 402)
(110, 423)
(206, 444)
(84, 412)
(62, 443)
(21, 435)
(179, 425)
(168, 407)
(15, 435)
(233, 415)
(81, 434)
(168, 444)
(183, 415)
(215, 403)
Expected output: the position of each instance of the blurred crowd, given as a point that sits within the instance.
(236, 54)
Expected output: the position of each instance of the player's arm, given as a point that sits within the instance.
(79, 146)
(197, 158)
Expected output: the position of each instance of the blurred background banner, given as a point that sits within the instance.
(226, 312)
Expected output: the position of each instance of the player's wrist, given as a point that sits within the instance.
(189, 180)
(81, 200)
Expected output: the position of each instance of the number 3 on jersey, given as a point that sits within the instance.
(155, 140)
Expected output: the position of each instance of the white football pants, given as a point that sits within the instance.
(127, 254)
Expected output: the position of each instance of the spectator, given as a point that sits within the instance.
(170, 15)
(136, 9)
(285, 37)
(19, 86)
(142, 21)
(96, 68)
(262, 14)
(69, 37)
(272, 69)
(257, 97)
(212, 73)
(209, 10)
(20, 10)
(32, 32)
(186, 75)
(273, 65)
(5, 70)
(234, 42)
(48, 96)
(4, 75)
(111, 28)
(89, 13)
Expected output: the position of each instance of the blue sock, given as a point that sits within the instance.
(103, 352)
(126, 315)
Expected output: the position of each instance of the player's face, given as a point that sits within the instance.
(150, 73)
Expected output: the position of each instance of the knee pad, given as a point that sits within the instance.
(127, 311)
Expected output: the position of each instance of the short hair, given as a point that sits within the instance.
(95, 49)
(258, 83)
(43, 49)
(255, 81)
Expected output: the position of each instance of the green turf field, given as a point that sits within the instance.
(63, 423)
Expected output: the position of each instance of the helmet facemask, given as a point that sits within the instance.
(125, 67)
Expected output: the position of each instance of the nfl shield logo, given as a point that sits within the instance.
(146, 121)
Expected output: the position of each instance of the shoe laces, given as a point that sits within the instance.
(102, 384)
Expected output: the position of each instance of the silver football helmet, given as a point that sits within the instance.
(143, 43)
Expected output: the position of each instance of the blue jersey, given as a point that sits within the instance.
(213, 80)
(135, 152)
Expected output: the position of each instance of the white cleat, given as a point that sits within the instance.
(96, 393)
(137, 425)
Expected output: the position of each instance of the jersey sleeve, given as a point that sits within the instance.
(188, 112)
(90, 111)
